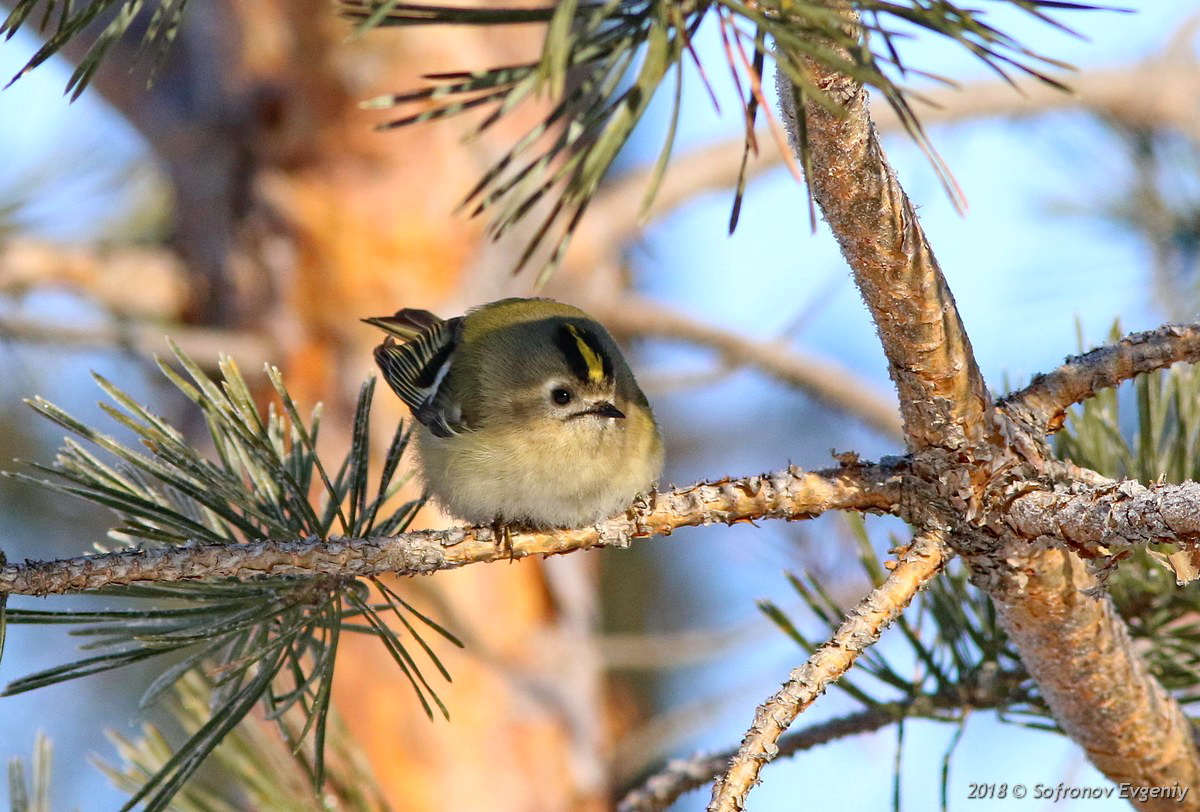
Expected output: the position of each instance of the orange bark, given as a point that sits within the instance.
(343, 222)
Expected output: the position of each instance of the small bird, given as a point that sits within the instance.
(527, 412)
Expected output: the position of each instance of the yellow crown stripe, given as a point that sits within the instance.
(593, 359)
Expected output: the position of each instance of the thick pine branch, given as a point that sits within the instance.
(1111, 519)
(1101, 693)
(971, 459)
(943, 400)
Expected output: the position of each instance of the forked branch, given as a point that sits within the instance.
(975, 461)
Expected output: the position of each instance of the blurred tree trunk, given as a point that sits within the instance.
(295, 218)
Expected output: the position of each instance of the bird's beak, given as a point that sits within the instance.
(606, 409)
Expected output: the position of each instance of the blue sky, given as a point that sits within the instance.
(1023, 278)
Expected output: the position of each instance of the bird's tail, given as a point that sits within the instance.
(406, 324)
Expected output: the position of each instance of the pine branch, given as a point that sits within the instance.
(972, 458)
(788, 494)
(64, 22)
(680, 776)
(129, 281)
(1110, 520)
(683, 775)
(272, 641)
(329, 566)
(1161, 443)
(943, 400)
(919, 563)
(1046, 400)
(1101, 693)
(144, 340)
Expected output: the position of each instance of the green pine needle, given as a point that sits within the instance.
(617, 55)
(252, 768)
(32, 794)
(272, 640)
(602, 63)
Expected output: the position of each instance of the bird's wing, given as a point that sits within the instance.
(416, 371)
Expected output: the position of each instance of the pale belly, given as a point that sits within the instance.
(565, 486)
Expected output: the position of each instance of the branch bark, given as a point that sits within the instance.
(1046, 400)
(919, 563)
(943, 400)
(788, 494)
(970, 460)
(1079, 651)
(1107, 520)
(683, 775)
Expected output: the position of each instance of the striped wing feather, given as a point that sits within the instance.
(416, 370)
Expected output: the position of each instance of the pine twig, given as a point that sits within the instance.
(919, 563)
(684, 775)
(787, 494)
(132, 281)
(1048, 397)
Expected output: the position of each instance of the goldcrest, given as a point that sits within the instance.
(527, 412)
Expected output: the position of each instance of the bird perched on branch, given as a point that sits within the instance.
(528, 412)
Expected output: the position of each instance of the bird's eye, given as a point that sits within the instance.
(561, 396)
